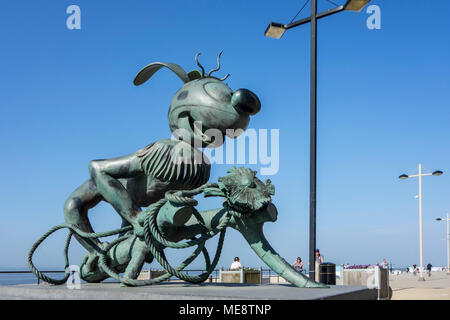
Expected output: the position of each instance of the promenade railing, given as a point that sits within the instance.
(266, 273)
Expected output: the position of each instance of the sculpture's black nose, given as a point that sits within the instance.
(245, 101)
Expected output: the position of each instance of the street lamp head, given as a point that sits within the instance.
(275, 30)
(355, 5)
(403, 177)
(437, 173)
(438, 219)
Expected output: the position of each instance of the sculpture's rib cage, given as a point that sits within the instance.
(175, 161)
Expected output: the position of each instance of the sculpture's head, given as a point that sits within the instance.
(205, 108)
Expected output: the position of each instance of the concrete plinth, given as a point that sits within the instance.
(183, 291)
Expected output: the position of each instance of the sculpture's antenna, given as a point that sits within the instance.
(218, 64)
(221, 79)
(198, 63)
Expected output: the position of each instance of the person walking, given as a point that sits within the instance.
(429, 266)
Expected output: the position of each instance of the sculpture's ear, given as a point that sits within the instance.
(148, 71)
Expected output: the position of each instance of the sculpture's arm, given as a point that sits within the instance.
(105, 174)
(251, 227)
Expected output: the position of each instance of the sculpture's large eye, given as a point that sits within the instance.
(218, 91)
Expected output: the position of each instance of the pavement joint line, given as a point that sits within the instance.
(400, 289)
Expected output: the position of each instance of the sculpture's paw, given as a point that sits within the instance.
(315, 285)
(93, 277)
(124, 284)
(90, 269)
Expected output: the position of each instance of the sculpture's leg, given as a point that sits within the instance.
(251, 227)
(76, 210)
(125, 223)
(139, 254)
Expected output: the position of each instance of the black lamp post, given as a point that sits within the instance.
(276, 30)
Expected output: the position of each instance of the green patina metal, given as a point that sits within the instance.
(164, 177)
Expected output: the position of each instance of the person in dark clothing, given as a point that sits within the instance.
(429, 269)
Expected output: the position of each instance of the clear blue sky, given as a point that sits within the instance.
(67, 97)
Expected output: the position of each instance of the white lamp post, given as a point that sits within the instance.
(448, 241)
(420, 175)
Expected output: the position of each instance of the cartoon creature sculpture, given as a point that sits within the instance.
(164, 176)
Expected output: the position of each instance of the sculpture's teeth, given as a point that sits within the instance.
(198, 132)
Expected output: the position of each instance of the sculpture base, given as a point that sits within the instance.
(183, 291)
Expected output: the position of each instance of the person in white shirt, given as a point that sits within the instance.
(319, 260)
(236, 264)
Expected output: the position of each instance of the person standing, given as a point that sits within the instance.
(319, 260)
(298, 265)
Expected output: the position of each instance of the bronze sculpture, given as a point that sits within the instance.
(164, 176)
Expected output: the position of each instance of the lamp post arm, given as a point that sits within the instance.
(318, 16)
(297, 23)
(330, 12)
(421, 175)
(426, 174)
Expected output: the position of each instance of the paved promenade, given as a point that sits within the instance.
(407, 287)
(183, 291)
